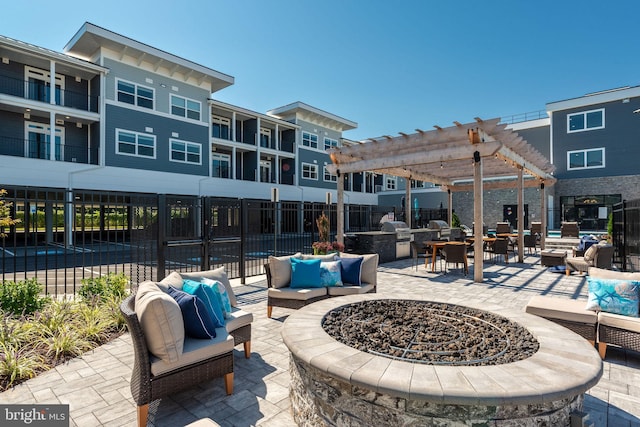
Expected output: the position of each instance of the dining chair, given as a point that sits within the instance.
(456, 254)
(500, 248)
(531, 241)
(418, 254)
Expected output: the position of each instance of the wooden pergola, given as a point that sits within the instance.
(476, 156)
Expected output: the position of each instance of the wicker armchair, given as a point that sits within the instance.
(599, 255)
(569, 229)
(147, 387)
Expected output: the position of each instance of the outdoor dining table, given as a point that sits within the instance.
(435, 245)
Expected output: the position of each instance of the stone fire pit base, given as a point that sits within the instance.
(318, 399)
(333, 384)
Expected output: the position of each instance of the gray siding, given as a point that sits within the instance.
(137, 121)
(12, 135)
(619, 137)
(319, 156)
(539, 138)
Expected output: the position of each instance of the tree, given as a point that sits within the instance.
(5, 211)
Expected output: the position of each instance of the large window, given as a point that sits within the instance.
(220, 127)
(185, 152)
(309, 140)
(184, 107)
(310, 171)
(38, 144)
(585, 159)
(330, 143)
(328, 177)
(135, 144)
(586, 120)
(220, 165)
(134, 94)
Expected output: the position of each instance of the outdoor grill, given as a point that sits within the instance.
(441, 226)
(403, 237)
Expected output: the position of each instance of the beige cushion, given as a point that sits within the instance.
(174, 279)
(369, 269)
(562, 309)
(280, 268)
(217, 274)
(161, 320)
(590, 254)
(619, 321)
(577, 263)
(296, 294)
(601, 273)
(195, 351)
(349, 290)
(238, 318)
(322, 258)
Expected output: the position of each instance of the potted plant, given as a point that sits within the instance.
(323, 246)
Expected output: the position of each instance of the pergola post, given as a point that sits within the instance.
(543, 216)
(407, 202)
(521, 217)
(340, 209)
(450, 207)
(478, 252)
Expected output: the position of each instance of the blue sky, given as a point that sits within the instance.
(389, 66)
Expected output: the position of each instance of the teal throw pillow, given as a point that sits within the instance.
(330, 274)
(197, 322)
(210, 299)
(305, 273)
(351, 270)
(221, 294)
(614, 296)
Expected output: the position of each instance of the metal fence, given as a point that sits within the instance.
(64, 237)
(626, 234)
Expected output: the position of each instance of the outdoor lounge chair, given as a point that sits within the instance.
(503, 228)
(569, 229)
(600, 255)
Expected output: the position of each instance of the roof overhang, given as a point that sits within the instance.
(307, 113)
(90, 38)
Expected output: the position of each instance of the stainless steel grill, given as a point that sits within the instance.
(442, 227)
(403, 237)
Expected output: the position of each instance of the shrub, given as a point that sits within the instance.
(455, 221)
(21, 297)
(97, 289)
(19, 363)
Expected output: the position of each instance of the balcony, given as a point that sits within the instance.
(40, 149)
(38, 90)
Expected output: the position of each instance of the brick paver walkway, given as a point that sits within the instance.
(96, 385)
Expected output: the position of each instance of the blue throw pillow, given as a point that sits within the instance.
(330, 274)
(613, 296)
(221, 295)
(305, 273)
(208, 296)
(197, 322)
(351, 270)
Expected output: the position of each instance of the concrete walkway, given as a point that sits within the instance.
(96, 385)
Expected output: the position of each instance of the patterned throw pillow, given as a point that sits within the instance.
(613, 296)
(221, 294)
(197, 322)
(209, 297)
(330, 274)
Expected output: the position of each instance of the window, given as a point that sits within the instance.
(585, 159)
(265, 137)
(220, 165)
(38, 144)
(131, 93)
(309, 140)
(135, 144)
(328, 177)
(220, 127)
(586, 120)
(330, 143)
(391, 183)
(184, 107)
(310, 171)
(185, 152)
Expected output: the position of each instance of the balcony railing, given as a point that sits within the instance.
(524, 117)
(41, 150)
(39, 91)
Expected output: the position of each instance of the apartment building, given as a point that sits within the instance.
(130, 117)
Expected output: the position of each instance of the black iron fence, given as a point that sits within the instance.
(64, 237)
(626, 234)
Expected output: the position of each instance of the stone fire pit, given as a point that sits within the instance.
(534, 373)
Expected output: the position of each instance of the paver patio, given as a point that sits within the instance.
(96, 385)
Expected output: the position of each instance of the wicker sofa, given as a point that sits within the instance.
(596, 326)
(166, 360)
(280, 293)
